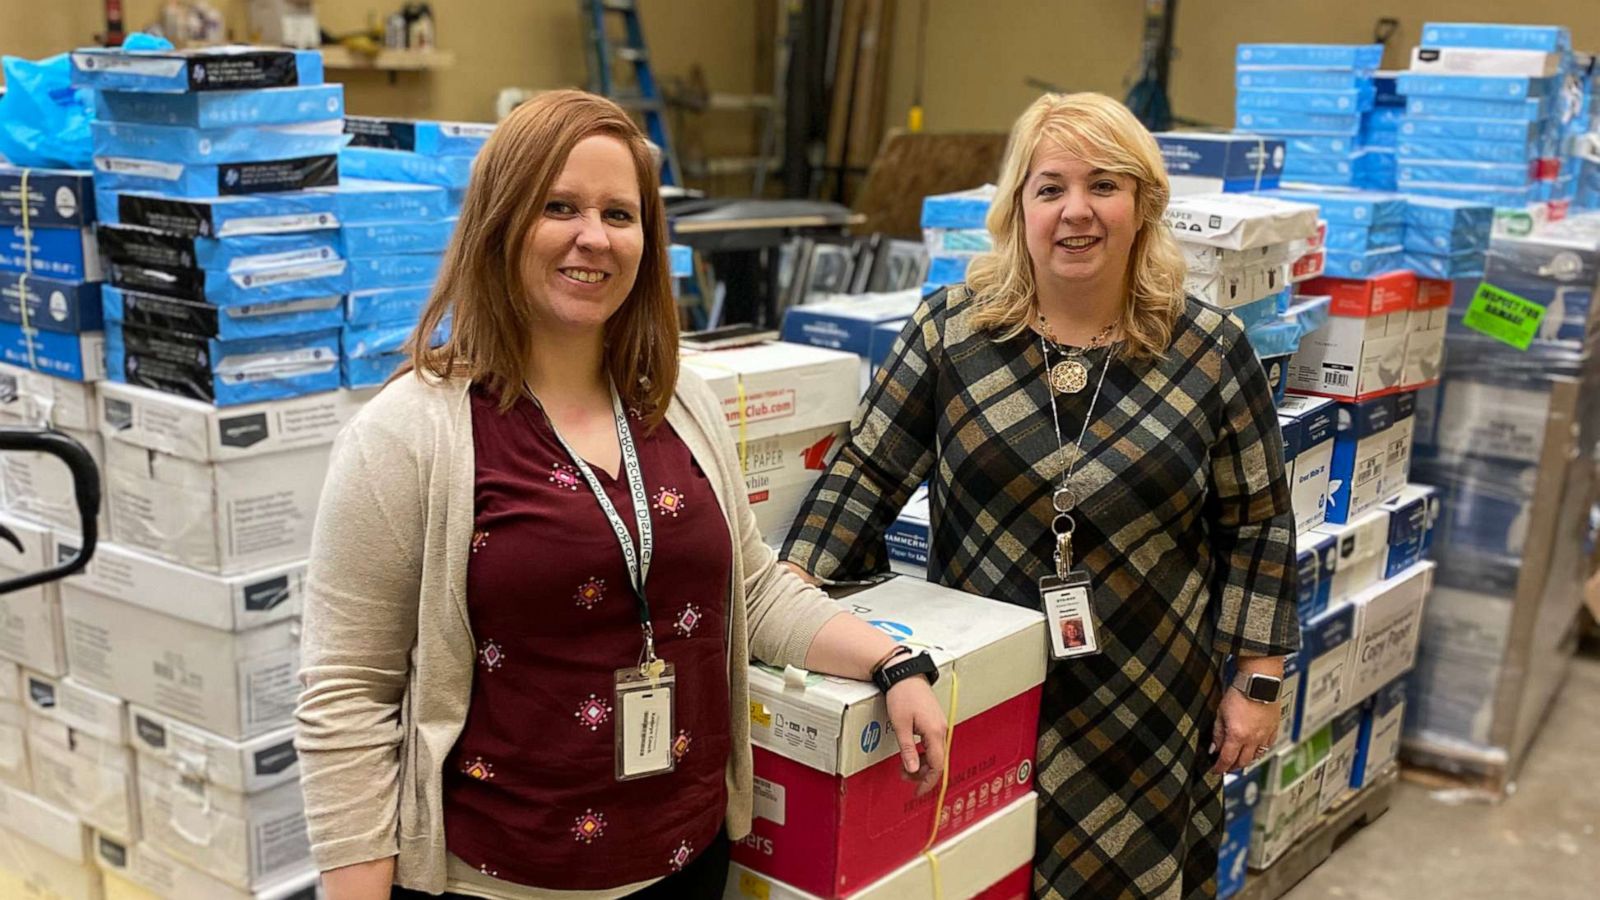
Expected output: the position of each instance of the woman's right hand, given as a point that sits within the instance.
(371, 880)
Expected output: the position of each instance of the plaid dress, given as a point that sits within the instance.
(1185, 528)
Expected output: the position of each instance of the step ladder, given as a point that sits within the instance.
(644, 95)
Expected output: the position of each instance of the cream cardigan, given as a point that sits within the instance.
(387, 655)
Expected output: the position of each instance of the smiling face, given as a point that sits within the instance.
(583, 254)
(1080, 221)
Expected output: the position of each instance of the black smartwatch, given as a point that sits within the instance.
(891, 674)
(1258, 688)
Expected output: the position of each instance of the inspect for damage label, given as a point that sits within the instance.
(1504, 316)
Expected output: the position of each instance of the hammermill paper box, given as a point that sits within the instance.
(990, 861)
(778, 388)
(144, 872)
(1388, 625)
(236, 683)
(227, 517)
(30, 619)
(45, 852)
(833, 812)
(199, 431)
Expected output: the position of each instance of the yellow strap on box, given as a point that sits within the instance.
(944, 789)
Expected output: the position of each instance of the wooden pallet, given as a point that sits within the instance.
(1318, 844)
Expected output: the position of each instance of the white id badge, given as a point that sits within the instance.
(644, 723)
(1073, 627)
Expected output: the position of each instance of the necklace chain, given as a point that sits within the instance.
(1055, 413)
(1100, 339)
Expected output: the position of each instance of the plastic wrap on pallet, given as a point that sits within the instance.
(1486, 505)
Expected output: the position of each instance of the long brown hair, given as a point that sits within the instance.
(481, 287)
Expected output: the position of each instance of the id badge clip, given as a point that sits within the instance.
(1067, 598)
(645, 696)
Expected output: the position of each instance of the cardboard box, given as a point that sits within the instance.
(847, 323)
(77, 706)
(248, 840)
(1425, 336)
(202, 432)
(1315, 552)
(907, 536)
(1326, 645)
(784, 388)
(1352, 358)
(65, 254)
(14, 769)
(779, 472)
(1398, 439)
(45, 852)
(39, 487)
(31, 630)
(1408, 528)
(1388, 625)
(247, 767)
(1291, 789)
(227, 518)
(56, 198)
(84, 775)
(833, 812)
(227, 603)
(35, 397)
(990, 861)
(1378, 743)
(238, 685)
(1360, 553)
(143, 872)
(1240, 794)
(1239, 222)
(1344, 735)
(1229, 162)
(77, 357)
(1317, 423)
(1360, 452)
(67, 307)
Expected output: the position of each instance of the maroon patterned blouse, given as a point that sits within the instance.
(530, 792)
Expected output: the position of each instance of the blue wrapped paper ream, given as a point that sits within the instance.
(67, 254)
(170, 143)
(221, 217)
(1446, 242)
(224, 109)
(1346, 238)
(1485, 87)
(1466, 264)
(1465, 173)
(1361, 57)
(680, 260)
(1302, 80)
(149, 247)
(1365, 264)
(56, 198)
(244, 288)
(947, 241)
(1338, 102)
(48, 304)
(1297, 145)
(382, 238)
(225, 373)
(75, 357)
(1286, 122)
(386, 306)
(1530, 110)
(231, 68)
(373, 273)
(1363, 208)
(1468, 150)
(1499, 197)
(121, 173)
(396, 165)
(418, 136)
(948, 269)
(369, 371)
(963, 209)
(170, 314)
(1549, 38)
(359, 201)
(1226, 156)
(372, 354)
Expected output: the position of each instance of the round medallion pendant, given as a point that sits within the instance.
(1069, 376)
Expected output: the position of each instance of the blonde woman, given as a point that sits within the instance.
(1103, 448)
(536, 583)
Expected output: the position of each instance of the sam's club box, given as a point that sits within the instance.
(784, 387)
(833, 812)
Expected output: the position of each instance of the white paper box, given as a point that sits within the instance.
(51, 828)
(89, 777)
(77, 706)
(235, 684)
(39, 487)
(1459, 664)
(969, 863)
(1352, 356)
(205, 433)
(1484, 61)
(229, 603)
(144, 872)
(1239, 221)
(40, 399)
(30, 619)
(14, 769)
(246, 766)
(248, 840)
(1397, 449)
(10, 682)
(1337, 773)
(226, 518)
(53, 861)
(1388, 625)
(1326, 662)
(785, 388)
(1425, 331)
(780, 470)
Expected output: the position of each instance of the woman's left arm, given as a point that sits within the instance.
(1251, 527)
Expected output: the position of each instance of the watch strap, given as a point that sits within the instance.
(899, 670)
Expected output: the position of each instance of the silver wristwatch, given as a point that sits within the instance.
(1258, 688)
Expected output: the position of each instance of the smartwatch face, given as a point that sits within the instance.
(1261, 689)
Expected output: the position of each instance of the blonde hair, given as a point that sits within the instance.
(481, 286)
(1103, 133)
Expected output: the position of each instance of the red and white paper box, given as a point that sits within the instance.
(777, 388)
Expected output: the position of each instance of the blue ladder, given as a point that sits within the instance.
(645, 97)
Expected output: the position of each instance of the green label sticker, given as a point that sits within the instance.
(1504, 316)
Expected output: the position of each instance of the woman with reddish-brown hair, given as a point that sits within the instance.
(536, 584)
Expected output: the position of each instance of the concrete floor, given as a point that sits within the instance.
(1543, 842)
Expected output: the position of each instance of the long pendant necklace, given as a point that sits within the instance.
(1065, 498)
(1071, 375)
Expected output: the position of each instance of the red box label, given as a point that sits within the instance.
(1433, 293)
(1379, 295)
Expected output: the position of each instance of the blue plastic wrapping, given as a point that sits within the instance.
(149, 247)
(1301, 80)
(1415, 171)
(382, 238)
(1549, 38)
(1285, 122)
(1298, 145)
(1495, 130)
(232, 68)
(55, 198)
(121, 173)
(63, 253)
(245, 288)
(75, 357)
(1360, 57)
(1363, 264)
(245, 214)
(359, 201)
(413, 168)
(224, 372)
(387, 305)
(216, 145)
(49, 304)
(1471, 150)
(428, 138)
(44, 121)
(1346, 238)
(962, 209)
(163, 314)
(1339, 102)
(1364, 208)
(373, 273)
(224, 109)
(1484, 87)
(1530, 110)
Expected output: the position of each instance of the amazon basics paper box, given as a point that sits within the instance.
(228, 603)
(77, 745)
(205, 433)
(14, 770)
(247, 840)
(144, 872)
(39, 487)
(39, 398)
(44, 851)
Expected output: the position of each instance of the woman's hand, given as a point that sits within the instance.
(914, 713)
(1244, 727)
